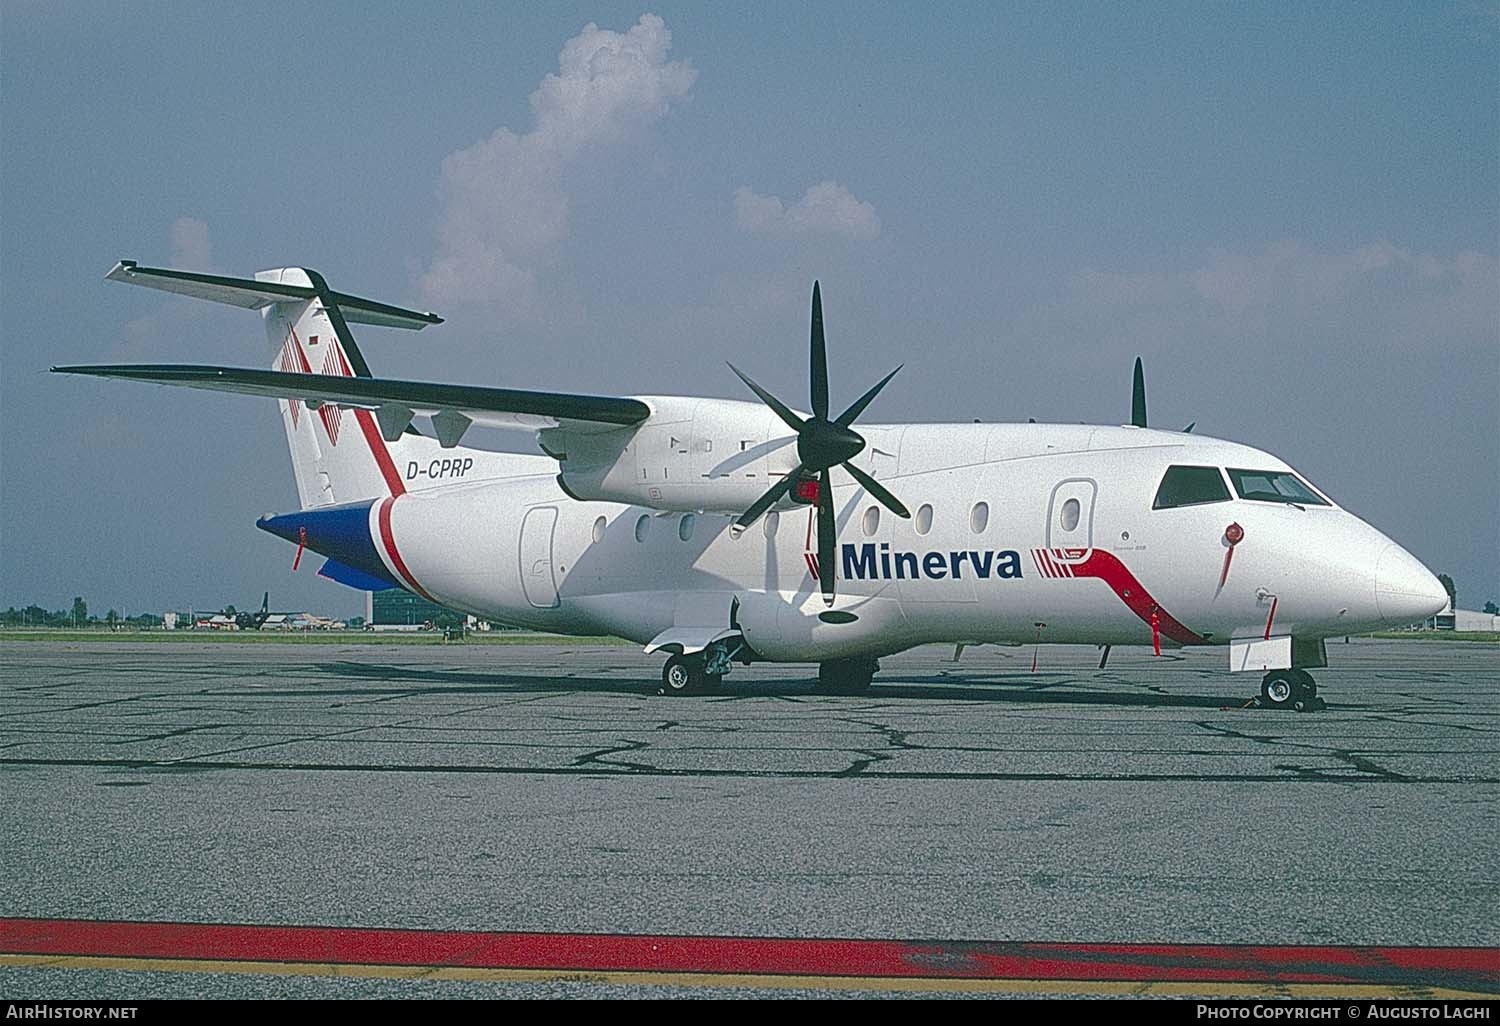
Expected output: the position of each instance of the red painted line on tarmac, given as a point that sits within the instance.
(1469, 968)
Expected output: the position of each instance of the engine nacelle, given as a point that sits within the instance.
(691, 454)
(800, 628)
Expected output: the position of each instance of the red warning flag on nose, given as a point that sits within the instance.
(301, 544)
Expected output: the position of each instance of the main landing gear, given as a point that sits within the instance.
(701, 671)
(686, 674)
(846, 676)
(1290, 689)
(704, 671)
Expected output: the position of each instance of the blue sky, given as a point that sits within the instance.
(1291, 211)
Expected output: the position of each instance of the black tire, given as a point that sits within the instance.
(1304, 683)
(683, 675)
(1277, 689)
(845, 676)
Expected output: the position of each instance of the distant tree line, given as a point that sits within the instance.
(78, 616)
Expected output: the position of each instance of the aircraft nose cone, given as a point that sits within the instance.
(1406, 591)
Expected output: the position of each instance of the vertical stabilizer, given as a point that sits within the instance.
(338, 455)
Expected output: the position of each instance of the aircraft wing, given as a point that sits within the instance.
(452, 407)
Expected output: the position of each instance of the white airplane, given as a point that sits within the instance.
(722, 532)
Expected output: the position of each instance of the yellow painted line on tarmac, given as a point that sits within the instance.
(1134, 988)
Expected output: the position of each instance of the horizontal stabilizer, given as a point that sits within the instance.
(253, 294)
(492, 407)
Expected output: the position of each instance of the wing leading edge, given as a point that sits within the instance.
(394, 401)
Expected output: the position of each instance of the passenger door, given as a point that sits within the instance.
(537, 580)
(1070, 519)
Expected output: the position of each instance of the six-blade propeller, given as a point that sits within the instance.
(822, 444)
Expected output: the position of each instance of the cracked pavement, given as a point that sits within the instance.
(549, 787)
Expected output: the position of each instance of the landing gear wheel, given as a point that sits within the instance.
(1305, 693)
(684, 675)
(1277, 689)
(845, 676)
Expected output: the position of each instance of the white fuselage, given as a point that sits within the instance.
(1035, 532)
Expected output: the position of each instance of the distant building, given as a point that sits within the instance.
(1469, 620)
(1451, 619)
(396, 607)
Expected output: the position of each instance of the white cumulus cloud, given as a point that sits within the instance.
(505, 202)
(827, 208)
(166, 330)
(191, 248)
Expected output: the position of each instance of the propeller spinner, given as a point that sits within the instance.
(821, 445)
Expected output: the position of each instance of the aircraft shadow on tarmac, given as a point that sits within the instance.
(1019, 689)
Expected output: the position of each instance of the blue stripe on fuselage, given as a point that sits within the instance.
(341, 533)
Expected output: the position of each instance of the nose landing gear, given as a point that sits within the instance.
(1290, 689)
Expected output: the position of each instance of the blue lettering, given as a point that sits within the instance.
(859, 564)
(867, 562)
(981, 565)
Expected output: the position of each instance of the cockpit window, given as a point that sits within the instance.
(1190, 486)
(1274, 486)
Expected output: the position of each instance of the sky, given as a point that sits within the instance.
(1290, 211)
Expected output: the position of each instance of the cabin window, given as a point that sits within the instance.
(924, 518)
(1274, 486)
(642, 527)
(1070, 513)
(979, 517)
(599, 526)
(773, 521)
(685, 527)
(1190, 486)
(872, 521)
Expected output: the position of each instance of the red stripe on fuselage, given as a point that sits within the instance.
(383, 516)
(1107, 567)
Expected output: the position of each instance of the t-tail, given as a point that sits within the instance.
(339, 454)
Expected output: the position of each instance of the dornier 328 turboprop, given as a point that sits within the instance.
(722, 532)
